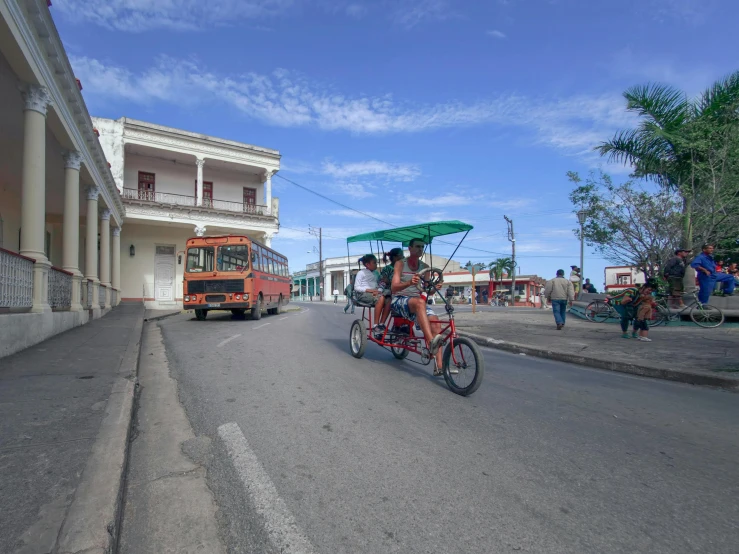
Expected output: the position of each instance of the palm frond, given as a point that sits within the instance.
(666, 106)
(721, 99)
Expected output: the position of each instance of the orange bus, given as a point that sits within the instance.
(235, 273)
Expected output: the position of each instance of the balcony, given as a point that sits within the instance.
(169, 200)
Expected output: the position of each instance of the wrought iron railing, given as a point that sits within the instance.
(60, 289)
(90, 288)
(191, 201)
(102, 290)
(16, 280)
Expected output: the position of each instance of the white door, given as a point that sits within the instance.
(164, 273)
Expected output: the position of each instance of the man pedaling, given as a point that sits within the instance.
(408, 303)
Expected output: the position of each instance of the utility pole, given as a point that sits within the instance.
(512, 238)
(318, 232)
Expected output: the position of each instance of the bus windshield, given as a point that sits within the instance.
(200, 259)
(233, 257)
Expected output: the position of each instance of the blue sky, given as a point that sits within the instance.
(411, 110)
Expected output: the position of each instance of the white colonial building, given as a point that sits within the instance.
(60, 211)
(178, 184)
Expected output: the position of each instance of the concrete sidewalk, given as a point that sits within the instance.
(65, 412)
(687, 354)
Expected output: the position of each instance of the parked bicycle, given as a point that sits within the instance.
(703, 315)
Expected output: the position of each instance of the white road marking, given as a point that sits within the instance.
(227, 340)
(260, 326)
(282, 318)
(281, 526)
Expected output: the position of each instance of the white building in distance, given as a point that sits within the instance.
(178, 184)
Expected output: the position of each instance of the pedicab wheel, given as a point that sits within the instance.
(256, 311)
(358, 338)
(597, 311)
(468, 363)
(399, 353)
(705, 315)
(201, 314)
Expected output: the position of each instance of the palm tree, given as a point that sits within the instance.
(499, 267)
(664, 146)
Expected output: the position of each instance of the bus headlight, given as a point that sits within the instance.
(238, 297)
(246, 296)
(187, 298)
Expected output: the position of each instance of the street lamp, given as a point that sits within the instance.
(581, 216)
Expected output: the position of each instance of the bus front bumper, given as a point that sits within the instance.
(217, 306)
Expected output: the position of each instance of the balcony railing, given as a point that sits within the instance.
(101, 295)
(60, 289)
(191, 202)
(16, 280)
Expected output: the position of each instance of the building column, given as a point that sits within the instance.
(199, 192)
(71, 225)
(105, 253)
(91, 243)
(116, 263)
(33, 193)
(267, 241)
(268, 191)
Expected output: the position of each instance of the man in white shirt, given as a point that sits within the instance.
(336, 296)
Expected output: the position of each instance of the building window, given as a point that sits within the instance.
(147, 188)
(207, 193)
(250, 199)
(623, 278)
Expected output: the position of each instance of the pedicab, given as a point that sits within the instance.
(462, 360)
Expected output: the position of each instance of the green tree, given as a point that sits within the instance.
(627, 224)
(680, 143)
(500, 267)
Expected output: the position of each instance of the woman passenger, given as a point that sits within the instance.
(382, 308)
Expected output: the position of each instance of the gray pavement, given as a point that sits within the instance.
(53, 399)
(376, 455)
(681, 352)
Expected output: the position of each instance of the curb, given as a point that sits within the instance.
(633, 369)
(158, 317)
(93, 519)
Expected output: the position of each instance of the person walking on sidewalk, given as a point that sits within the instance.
(543, 299)
(627, 303)
(674, 272)
(561, 293)
(336, 296)
(707, 275)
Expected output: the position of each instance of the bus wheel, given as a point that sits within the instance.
(256, 311)
(201, 314)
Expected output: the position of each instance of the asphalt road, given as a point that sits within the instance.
(375, 455)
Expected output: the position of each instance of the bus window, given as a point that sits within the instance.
(234, 257)
(200, 259)
(270, 265)
(258, 257)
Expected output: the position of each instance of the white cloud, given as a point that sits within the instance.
(396, 172)
(353, 214)
(283, 98)
(179, 15)
(357, 11)
(511, 204)
(440, 201)
(355, 190)
(409, 13)
(496, 34)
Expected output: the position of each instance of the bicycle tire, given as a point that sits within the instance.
(399, 353)
(661, 317)
(597, 311)
(454, 382)
(707, 316)
(357, 338)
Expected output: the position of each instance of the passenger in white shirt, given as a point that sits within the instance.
(365, 284)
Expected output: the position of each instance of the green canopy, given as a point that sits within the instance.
(423, 231)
